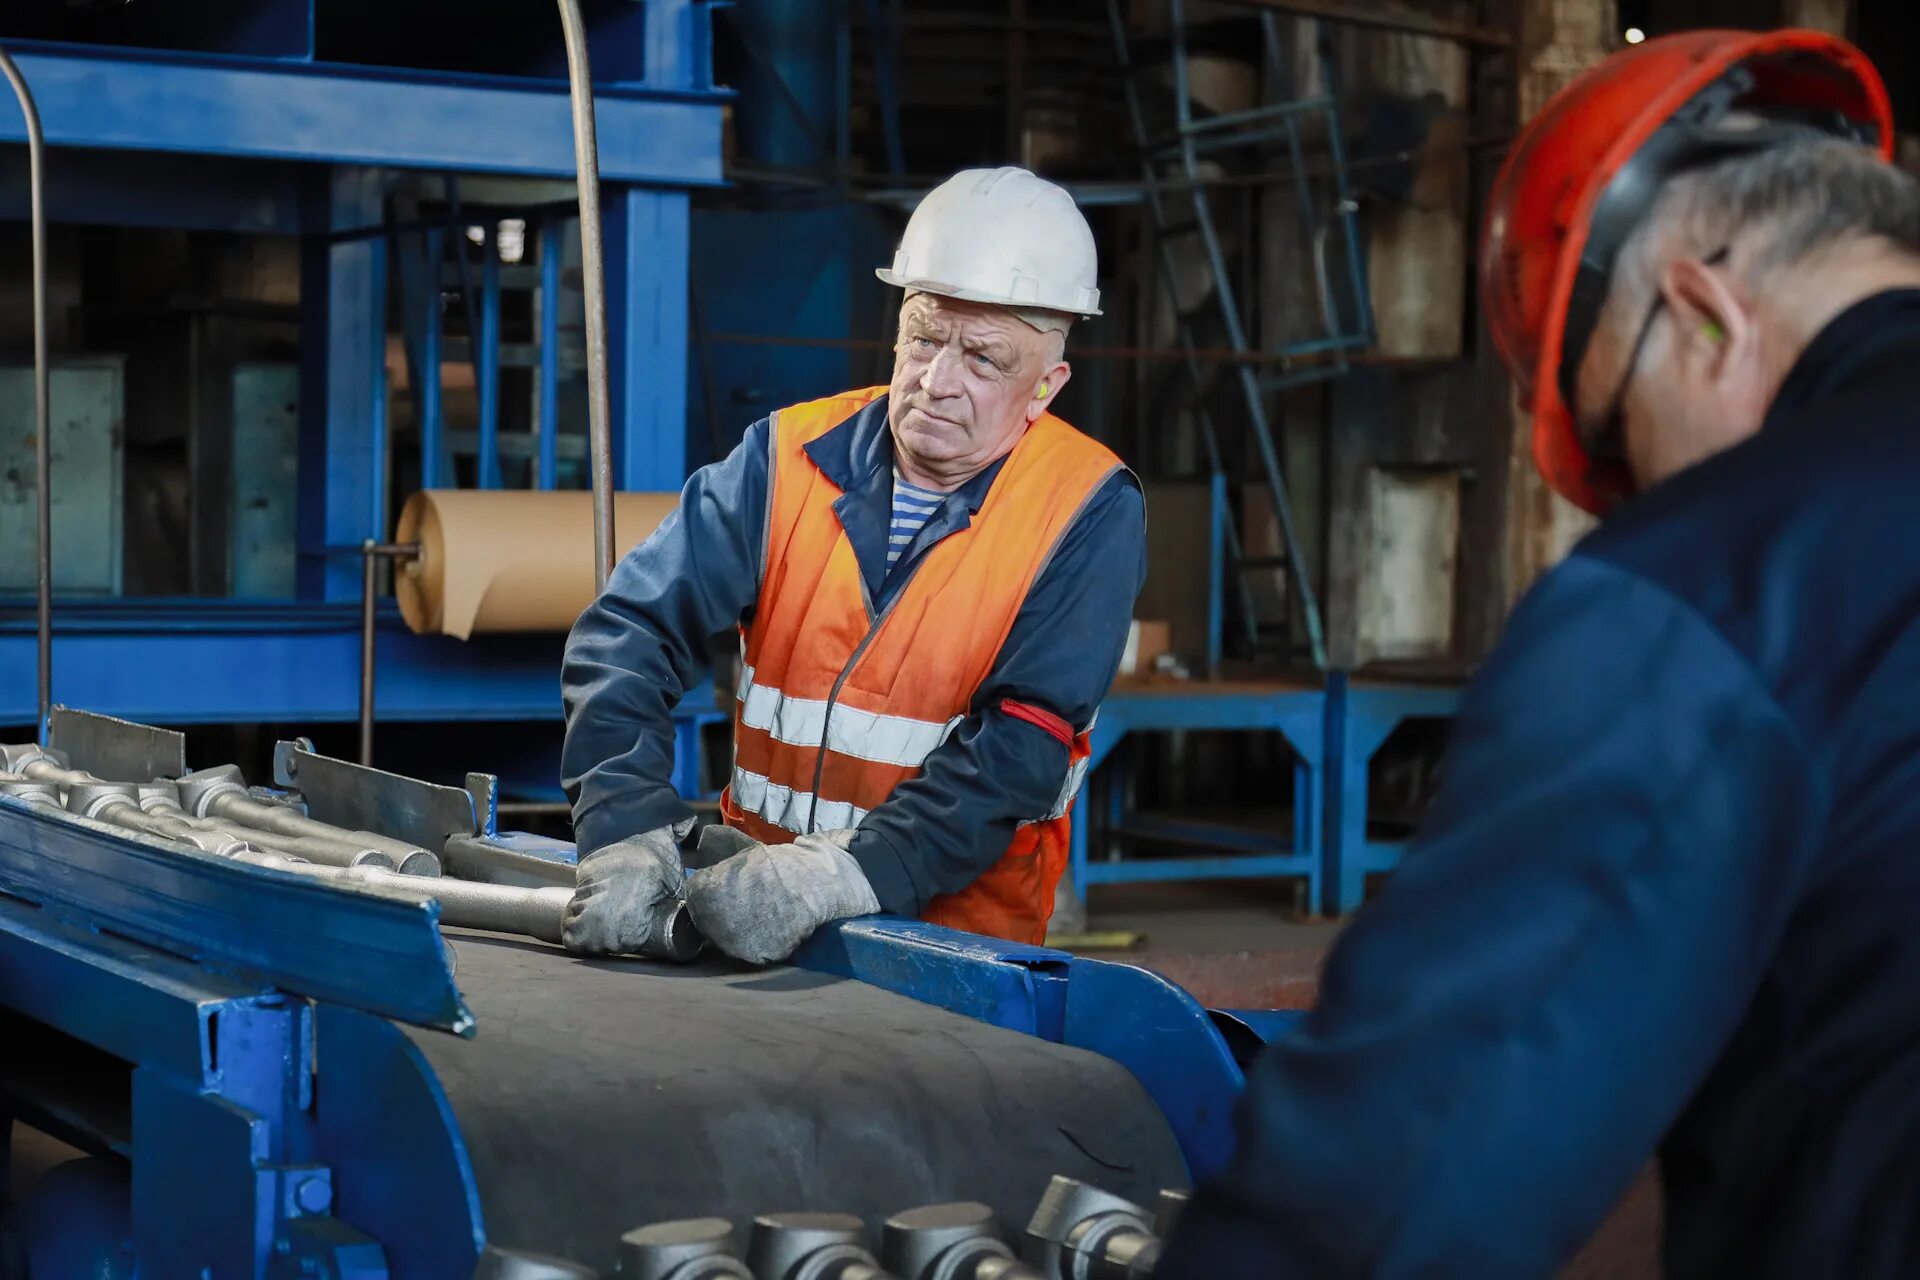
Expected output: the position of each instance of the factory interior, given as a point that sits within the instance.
(344, 347)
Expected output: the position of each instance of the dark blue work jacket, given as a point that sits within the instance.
(643, 643)
(1668, 897)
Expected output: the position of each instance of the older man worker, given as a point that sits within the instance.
(932, 582)
(1669, 895)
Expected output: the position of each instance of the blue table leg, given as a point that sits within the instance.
(1359, 721)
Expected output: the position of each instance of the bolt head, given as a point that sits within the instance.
(313, 1195)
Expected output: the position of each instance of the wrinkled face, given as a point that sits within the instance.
(967, 380)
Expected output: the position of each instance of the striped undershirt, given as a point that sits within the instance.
(912, 506)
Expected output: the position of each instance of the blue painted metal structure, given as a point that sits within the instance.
(275, 1115)
(1334, 732)
(1360, 717)
(245, 126)
(1297, 712)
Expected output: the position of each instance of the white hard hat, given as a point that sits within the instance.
(1002, 236)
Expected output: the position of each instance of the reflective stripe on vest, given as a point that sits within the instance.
(784, 807)
(803, 722)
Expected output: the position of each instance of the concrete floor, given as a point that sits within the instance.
(1243, 945)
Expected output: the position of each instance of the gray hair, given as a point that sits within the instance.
(1770, 209)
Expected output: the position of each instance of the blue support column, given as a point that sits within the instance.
(549, 425)
(646, 252)
(433, 459)
(679, 52)
(343, 383)
(487, 358)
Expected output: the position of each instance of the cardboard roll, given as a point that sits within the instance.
(507, 559)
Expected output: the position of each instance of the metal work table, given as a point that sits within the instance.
(1333, 730)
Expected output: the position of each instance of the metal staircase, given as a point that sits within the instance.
(1265, 138)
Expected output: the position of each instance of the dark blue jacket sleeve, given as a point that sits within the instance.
(1505, 1033)
(940, 830)
(638, 647)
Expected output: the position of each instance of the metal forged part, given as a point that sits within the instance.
(601, 1095)
(220, 793)
(289, 833)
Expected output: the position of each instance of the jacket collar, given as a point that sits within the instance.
(1873, 331)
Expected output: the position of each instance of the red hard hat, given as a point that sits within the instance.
(1586, 170)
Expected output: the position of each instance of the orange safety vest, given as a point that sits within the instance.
(838, 707)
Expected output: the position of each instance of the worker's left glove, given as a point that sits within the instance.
(761, 904)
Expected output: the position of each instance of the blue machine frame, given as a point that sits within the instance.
(261, 137)
(252, 1140)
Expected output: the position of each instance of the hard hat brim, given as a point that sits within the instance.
(914, 285)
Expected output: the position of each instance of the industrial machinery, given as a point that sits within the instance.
(242, 1003)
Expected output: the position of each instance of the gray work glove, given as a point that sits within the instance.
(761, 904)
(717, 843)
(621, 892)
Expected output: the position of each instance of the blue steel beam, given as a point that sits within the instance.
(342, 386)
(158, 100)
(486, 463)
(549, 424)
(434, 473)
(647, 243)
(218, 662)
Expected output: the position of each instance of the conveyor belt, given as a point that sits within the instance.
(601, 1095)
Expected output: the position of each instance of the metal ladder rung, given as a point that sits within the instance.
(1253, 115)
(1301, 377)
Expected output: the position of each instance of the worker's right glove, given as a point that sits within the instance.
(623, 891)
(761, 904)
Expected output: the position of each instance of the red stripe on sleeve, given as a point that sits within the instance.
(1039, 718)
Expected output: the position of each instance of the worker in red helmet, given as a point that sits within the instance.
(1668, 897)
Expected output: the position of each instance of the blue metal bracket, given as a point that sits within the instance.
(1018, 987)
(265, 926)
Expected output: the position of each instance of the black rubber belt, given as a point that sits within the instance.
(602, 1095)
